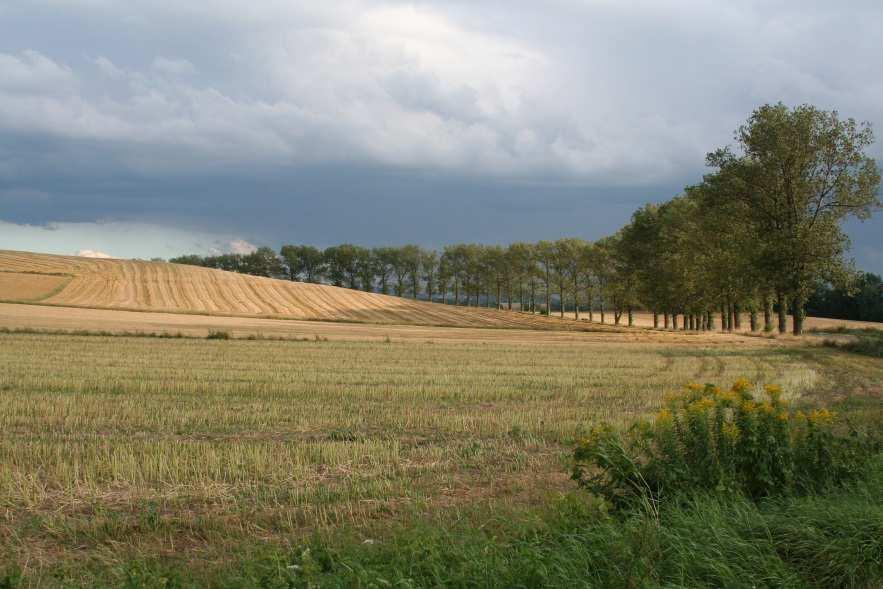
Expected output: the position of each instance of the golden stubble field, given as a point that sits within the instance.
(22, 286)
(114, 446)
(159, 286)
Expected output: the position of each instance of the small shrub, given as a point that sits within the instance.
(867, 342)
(709, 439)
(343, 435)
(218, 334)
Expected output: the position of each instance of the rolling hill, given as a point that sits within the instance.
(162, 287)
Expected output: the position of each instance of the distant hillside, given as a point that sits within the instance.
(159, 286)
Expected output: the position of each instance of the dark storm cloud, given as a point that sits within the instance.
(392, 122)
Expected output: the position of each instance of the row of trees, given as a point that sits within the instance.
(760, 233)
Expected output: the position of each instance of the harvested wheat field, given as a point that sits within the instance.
(23, 286)
(159, 286)
(120, 448)
(16, 317)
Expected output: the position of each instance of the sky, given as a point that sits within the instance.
(155, 128)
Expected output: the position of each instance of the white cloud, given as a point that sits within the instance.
(108, 68)
(32, 72)
(94, 254)
(174, 67)
(599, 91)
(239, 246)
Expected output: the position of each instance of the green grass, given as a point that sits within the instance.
(833, 540)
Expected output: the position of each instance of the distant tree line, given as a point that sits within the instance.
(761, 233)
(861, 301)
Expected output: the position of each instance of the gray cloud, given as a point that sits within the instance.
(247, 119)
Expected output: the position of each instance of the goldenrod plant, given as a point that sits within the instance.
(743, 439)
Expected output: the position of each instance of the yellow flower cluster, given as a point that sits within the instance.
(748, 406)
(742, 385)
(731, 431)
(726, 396)
(821, 416)
(701, 405)
(774, 392)
(664, 417)
(696, 400)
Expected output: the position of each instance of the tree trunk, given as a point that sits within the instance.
(731, 317)
(753, 320)
(799, 314)
(667, 319)
(709, 320)
(737, 314)
(631, 317)
(724, 316)
(589, 298)
(602, 309)
(692, 322)
(575, 299)
(674, 321)
(783, 312)
(767, 313)
(655, 320)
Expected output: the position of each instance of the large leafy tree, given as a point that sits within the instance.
(522, 267)
(366, 267)
(386, 259)
(263, 262)
(343, 264)
(303, 262)
(544, 254)
(801, 171)
(411, 258)
(429, 265)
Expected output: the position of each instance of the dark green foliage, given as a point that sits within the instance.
(218, 334)
(261, 262)
(862, 302)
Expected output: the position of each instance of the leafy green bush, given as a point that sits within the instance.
(218, 334)
(709, 439)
